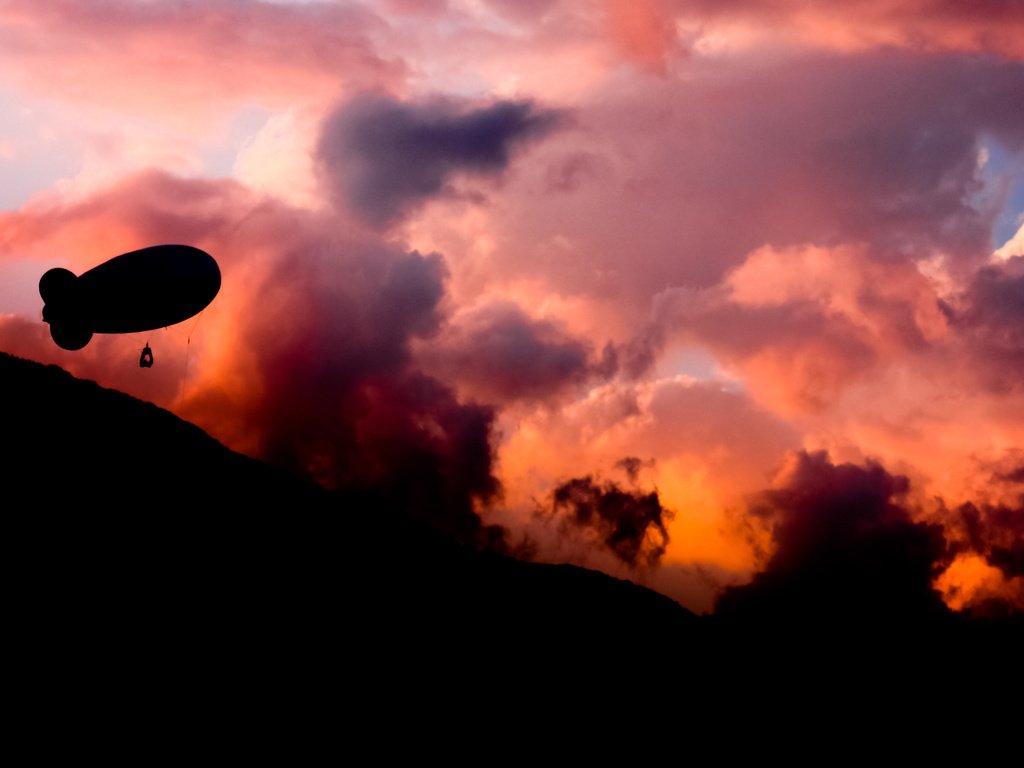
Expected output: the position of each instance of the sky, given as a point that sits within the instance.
(695, 293)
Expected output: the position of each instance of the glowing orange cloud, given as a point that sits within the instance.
(992, 26)
(970, 583)
(643, 29)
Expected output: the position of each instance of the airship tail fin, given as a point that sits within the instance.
(59, 289)
(57, 286)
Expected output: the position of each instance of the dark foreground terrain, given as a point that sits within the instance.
(147, 562)
(137, 538)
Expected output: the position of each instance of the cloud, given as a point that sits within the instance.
(673, 182)
(382, 157)
(845, 550)
(303, 359)
(188, 59)
(1012, 247)
(632, 465)
(995, 532)
(987, 576)
(803, 325)
(644, 31)
(522, 10)
(631, 524)
(990, 320)
(701, 445)
(1014, 475)
(498, 353)
(991, 26)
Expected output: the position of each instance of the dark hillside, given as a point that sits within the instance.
(134, 535)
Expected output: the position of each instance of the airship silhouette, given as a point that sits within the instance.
(139, 291)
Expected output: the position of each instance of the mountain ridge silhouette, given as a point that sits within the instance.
(131, 503)
(149, 562)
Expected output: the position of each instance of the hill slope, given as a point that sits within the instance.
(151, 566)
(121, 518)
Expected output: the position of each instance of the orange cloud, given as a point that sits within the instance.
(971, 584)
(992, 26)
(701, 446)
(644, 30)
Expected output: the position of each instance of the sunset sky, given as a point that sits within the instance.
(547, 257)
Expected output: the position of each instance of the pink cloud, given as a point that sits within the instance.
(170, 60)
(673, 183)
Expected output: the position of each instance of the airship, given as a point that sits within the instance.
(138, 291)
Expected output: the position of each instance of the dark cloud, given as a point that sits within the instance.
(382, 157)
(1013, 476)
(499, 353)
(420, 451)
(1009, 559)
(631, 465)
(845, 551)
(630, 524)
(996, 532)
(997, 298)
(337, 396)
(991, 323)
